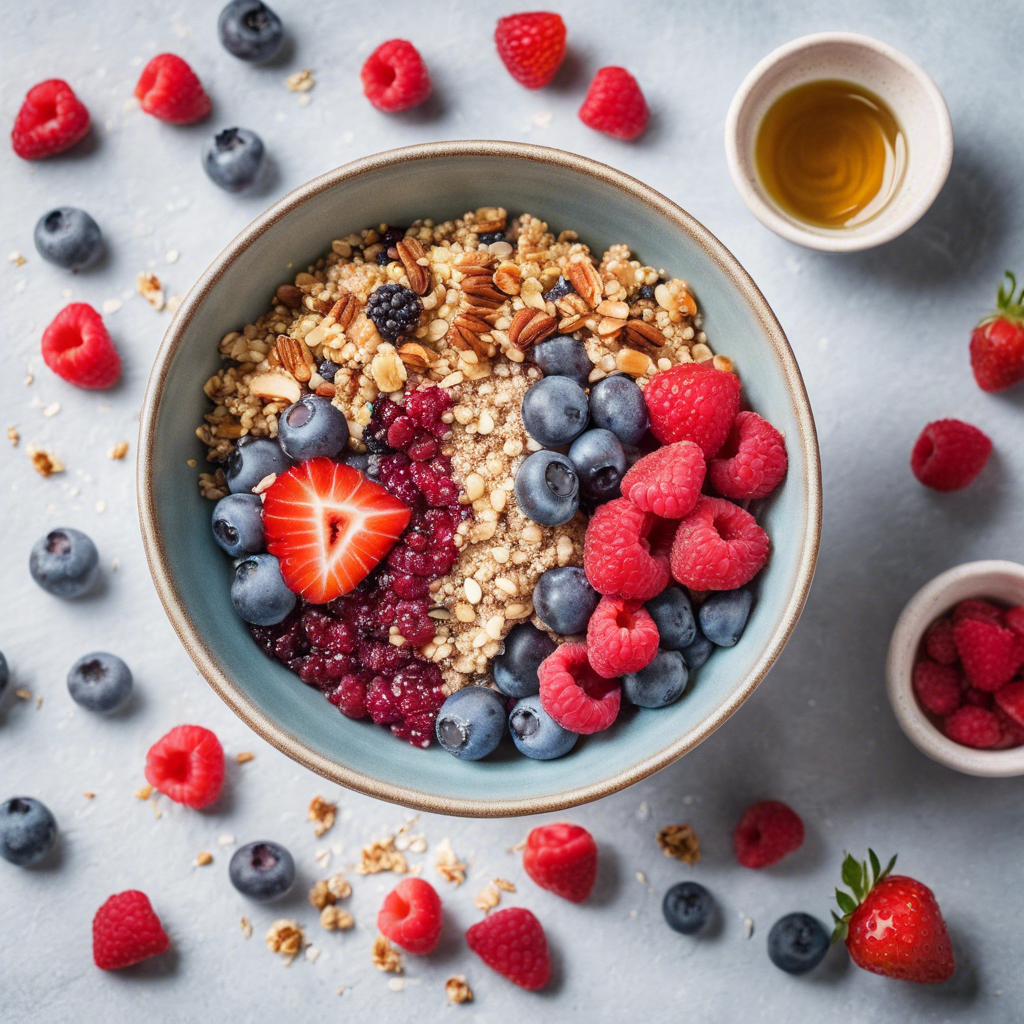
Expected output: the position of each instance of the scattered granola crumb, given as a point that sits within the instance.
(173, 302)
(301, 81)
(641, 878)
(226, 839)
(45, 462)
(519, 847)
(285, 937)
(203, 858)
(172, 256)
(101, 507)
(112, 305)
(385, 957)
(143, 792)
(118, 451)
(321, 813)
(89, 794)
(51, 410)
(246, 928)
(244, 757)
(457, 990)
(29, 378)
(148, 286)
(17, 259)
(312, 954)
(381, 855)
(335, 919)
(680, 842)
(748, 927)
(447, 865)
(191, 463)
(13, 436)
(341, 991)
(22, 694)
(328, 891)
(396, 984)
(504, 885)
(487, 898)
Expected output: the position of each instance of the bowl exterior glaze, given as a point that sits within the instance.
(442, 180)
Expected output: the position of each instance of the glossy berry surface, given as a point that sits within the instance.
(693, 402)
(600, 464)
(564, 600)
(170, 90)
(564, 356)
(237, 524)
(622, 555)
(555, 411)
(536, 734)
(68, 237)
(234, 159)
(262, 871)
(547, 488)
(471, 722)
(77, 347)
(752, 462)
(668, 481)
(617, 404)
(658, 684)
(621, 637)
(997, 343)
(310, 428)
(250, 30)
(515, 668)
(187, 765)
(797, 943)
(411, 916)
(724, 614)
(28, 831)
(688, 907)
(100, 682)
(51, 119)
(253, 459)
(673, 615)
(259, 593)
(65, 563)
(394, 310)
(126, 931)
(395, 77)
(562, 858)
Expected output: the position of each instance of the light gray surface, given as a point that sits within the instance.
(882, 341)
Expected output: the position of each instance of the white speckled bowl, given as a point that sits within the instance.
(911, 95)
(1002, 581)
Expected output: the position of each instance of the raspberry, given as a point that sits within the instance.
(974, 727)
(621, 637)
(395, 77)
(411, 916)
(126, 931)
(1012, 733)
(949, 454)
(939, 688)
(77, 347)
(668, 481)
(426, 406)
(978, 698)
(615, 105)
(990, 654)
(974, 608)
(718, 546)
(752, 462)
(512, 942)
(766, 833)
(187, 765)
(693, 402)
(51, 119)
(323, 670)
(562, 858)
(1014, 619)
(617, 555)
(531, 46)
(939, 644)
(408, 702)
(574, 695)
(385, 412)
(1010, 699)
(169, 90)
(438, 489)
(329, 633)
(349, 696)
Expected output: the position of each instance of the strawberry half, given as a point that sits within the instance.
(329, 526)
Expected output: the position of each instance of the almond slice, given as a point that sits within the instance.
(275, 385)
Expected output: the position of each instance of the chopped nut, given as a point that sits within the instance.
(507, 278)
(417, 357)
(640, 332)
(143, 792)
(680, 842)
(321, 812)
(447, 865)
(295, 357)
(244, 757)
(388, 370)
(276, 385)
(22, 694)
(328, 891)
(504, 885)
(118, 451)
(457, 990)
(13, 436)
(45, 463)
(246, 928)
(148, 286)
(285, 937)
(411, 253)
(203, 858)
(289, 295)
(487, 898)
(385, 957)
(531, 327)
(583, 276)
(335, 919)
(381, 855)
(301, 81)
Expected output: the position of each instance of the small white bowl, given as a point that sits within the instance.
(911, 95)
(1002, 581)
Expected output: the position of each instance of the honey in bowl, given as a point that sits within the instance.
(830, 153)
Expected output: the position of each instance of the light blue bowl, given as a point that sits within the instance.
(441, 181)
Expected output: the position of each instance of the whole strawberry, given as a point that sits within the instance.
(892, 924)
(997, 343)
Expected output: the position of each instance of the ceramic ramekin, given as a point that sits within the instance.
(443, 180)
(1002, 581)
(911, 95)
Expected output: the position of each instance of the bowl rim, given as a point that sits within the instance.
(837, 241)
(254, 716)
(920, 611)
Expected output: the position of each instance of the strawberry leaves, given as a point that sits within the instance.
(856, 876)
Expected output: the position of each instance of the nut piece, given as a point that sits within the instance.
(410, 252)
(385, 957)
(335, 919)
(275, 385)
(416, 357)
(641, 332)
(457, 990)
(636, 364)
(285, 937)
(321, 812)
(289, 295)
(295, 357)
(482, 289)
(617, 310)
(344, 310)
(680, 842)
(530, 327)
(387, 369)
(583, 276)
(326, 390)
(507, 278)
(466, 333)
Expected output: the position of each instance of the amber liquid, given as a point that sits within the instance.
(830, 153)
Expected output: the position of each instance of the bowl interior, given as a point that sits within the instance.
(442, 181)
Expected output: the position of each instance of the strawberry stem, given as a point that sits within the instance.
(1006, 303)
(856, 875)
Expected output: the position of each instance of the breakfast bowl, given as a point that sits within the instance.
(441, 180)
(999, 581)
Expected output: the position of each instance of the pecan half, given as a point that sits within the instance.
(507, 278)
(466, 332)
(295, 357)
(474, 258)
(344, 310)
(482, 289)
(641, 332)
(410, 252)
(290, 295)
(583, 276)
(530, 327)
(417, 357)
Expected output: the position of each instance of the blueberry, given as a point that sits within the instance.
(647, 292)
(536, 734)
(687, 907)
(310, 428)
(515, 669)
(252, 460)
(490, 237)
(723, 616)
(65, 563)
(384, 258)
(618, 405)
(696, 653)
(564, 600)
(5, 674)
(68, 237)
(327, 369)
(471, 722)
(559, 289)
(238, 524)
(564, 356)
(250, 30)
(100, 682)
(262, 871)
(27, 831)
(259, 593)
(600, 464)
(797, 943)
(234, 158)
(359, 460)
(673, 615)
(661, 683)
(555, 411)
(547, 488)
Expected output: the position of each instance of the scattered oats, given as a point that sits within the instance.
(157, 813)
(680, 842)
(381, 855)
(227, 839)
(191, 463)
(305, 99)
(457, 990)
(285, 937)
(143, 792)
(101, 507)
(542, 118)
(20, 284)
(334, 919)
(418, 844)
(641, 878)
(203, 858)
(487, 898)
(643, 812)
(45, 463)
(172, 256)
(22, 694)
(519, 847)
(447, 865)
(246, 928)
(312, 954)
(118, 451)
(89, 795)
(301, 81)
(112, 305)
(321, 813)
(13, 436)
(385, 957)
(39, 702)
(322, 857)
(149, 287)
(396, 984)
(28, 379)
(173, 302)
(17, 259)
(748, 927)
(51, 410)
(504, 885)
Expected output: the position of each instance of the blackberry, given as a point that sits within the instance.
(490, 237)
(394, 310)
(383, 259)
(647, 292)
(392, 237)
(327, 369)
(561, 287)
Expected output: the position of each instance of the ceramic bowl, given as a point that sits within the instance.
(1001, 581)
(442, 180)
(911, 95)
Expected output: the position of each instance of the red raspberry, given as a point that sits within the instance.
(411, 916)
(668, 481)
(1012, 732)
(615, 105)
(693, 402)
(187, 765)
(77, 347)
(1014, 619)
(978, 698)
(939, 644)
(51, 119)
(975, 608)
(620, 557)
(990, 654)
(126, 931)
(1010, 700)
(531, 46)
(766, 833)
(395, 77)
(752, 462)
(512, 942)
(562, 858)
(574, 695)
(718, 546)
(974, 727)
(621, 637)
(170, 90)
(949, 454)
(939, 688)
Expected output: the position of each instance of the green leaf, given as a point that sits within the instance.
(853, 876)
(876, 867)
(847, 904)
(888, 868)
(840, 931)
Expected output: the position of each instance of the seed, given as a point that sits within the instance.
(701, 353)
(563, 550)
(512, 447)
(506, 586)
(474, 486)
(464, 613)
(501, 555)
(517, 611)
(480, 639)
(473, 592)
(532, 534)
(486, 422)
(494, 626)
(498, 498)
